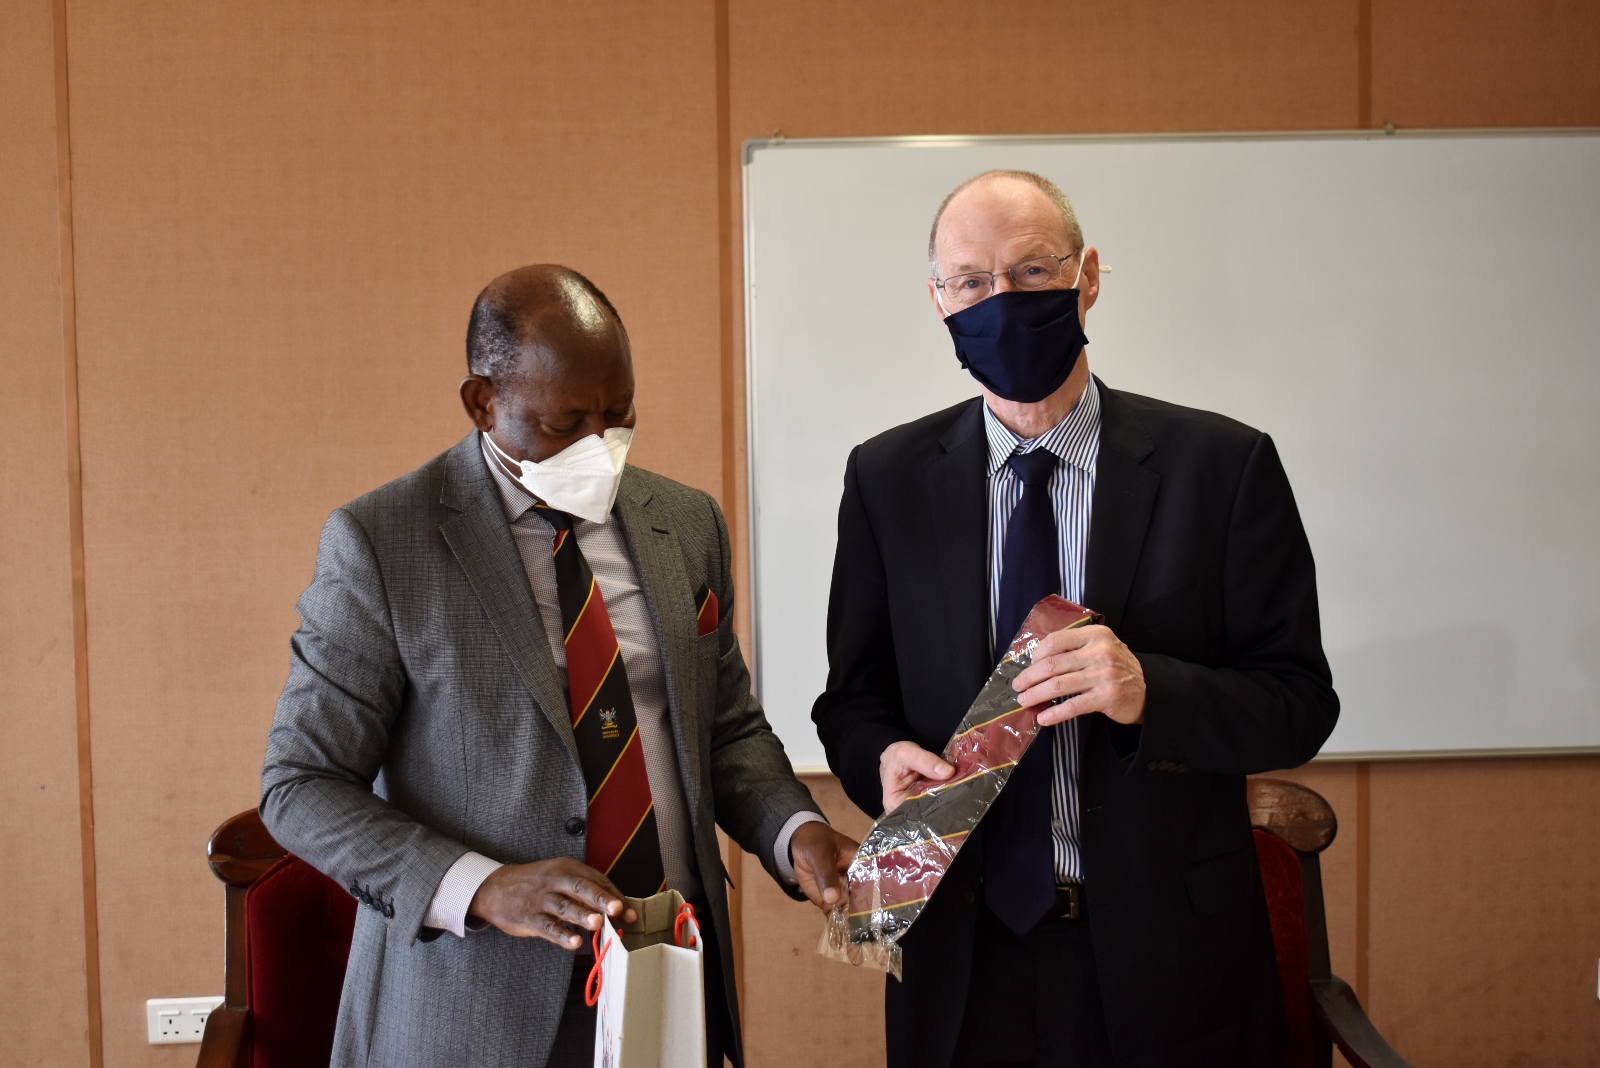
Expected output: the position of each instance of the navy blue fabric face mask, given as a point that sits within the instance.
(1020, 344)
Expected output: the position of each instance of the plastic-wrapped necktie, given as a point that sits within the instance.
(906, 854)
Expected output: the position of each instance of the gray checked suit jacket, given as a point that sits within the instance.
(424, 717)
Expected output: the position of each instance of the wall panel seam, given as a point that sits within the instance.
(1363, 879)
(74, 456)
(724, 149)
(1363, 64)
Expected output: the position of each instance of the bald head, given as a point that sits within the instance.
(550, 362)
(986, 229)
(545, 311)
(1006, 198)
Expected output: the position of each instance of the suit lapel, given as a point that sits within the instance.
(480, 538)
(1124, 494)
(658, 559)
(955, 489)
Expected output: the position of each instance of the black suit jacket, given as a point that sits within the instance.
(1199, 562)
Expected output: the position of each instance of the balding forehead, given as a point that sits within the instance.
(546, 308)
(1009, 195)
(531, 290)
(1024, 186)
(548, 298)
(586, 312)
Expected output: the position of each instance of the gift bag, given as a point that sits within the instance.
(646, 985)
(904, 857)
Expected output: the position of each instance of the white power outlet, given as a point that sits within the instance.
(178, 1019)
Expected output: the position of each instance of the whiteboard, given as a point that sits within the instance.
(1415, 319)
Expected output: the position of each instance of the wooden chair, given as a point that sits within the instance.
(1293, 826)
(286, 938)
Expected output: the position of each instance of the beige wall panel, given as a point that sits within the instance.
(43, 1011)
(831, 68)
(285, 212)
(802, 1010)
(1484, 932)
(1486, 63)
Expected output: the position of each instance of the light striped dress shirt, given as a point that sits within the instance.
(1076, 442)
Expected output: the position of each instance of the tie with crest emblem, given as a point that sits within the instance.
(622, 838)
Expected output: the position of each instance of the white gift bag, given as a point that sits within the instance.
(647, 987)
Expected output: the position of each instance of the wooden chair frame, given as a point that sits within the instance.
(1300, 817)
(239, 852)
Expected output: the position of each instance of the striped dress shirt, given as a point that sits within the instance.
(1076, 442)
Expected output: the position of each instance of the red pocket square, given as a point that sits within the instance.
(706, 615)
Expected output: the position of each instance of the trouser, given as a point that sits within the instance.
(574, 1043)
(1033, 1000)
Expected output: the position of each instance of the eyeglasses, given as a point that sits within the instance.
(965, 290)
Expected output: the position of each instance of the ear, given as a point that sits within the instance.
(1089, 284)
(478, 398)
(933, 295)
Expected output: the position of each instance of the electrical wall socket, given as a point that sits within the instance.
(178, 1019)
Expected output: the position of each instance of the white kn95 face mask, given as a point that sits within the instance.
(582, 478)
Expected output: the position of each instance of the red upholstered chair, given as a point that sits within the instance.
(286, 941)
(1293, 826)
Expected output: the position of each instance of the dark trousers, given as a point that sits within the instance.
(1033, 1000)
(574, 1044)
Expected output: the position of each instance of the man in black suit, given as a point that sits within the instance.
(1108, 910)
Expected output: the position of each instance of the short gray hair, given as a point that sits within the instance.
(1038, 181)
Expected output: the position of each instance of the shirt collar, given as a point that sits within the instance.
(1075, 440)
(513, 497)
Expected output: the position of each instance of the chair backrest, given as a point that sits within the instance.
(297, 931)
(1280, 877)
(287, 939)
(1294, 824)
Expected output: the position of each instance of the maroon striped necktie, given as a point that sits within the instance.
(623, 842)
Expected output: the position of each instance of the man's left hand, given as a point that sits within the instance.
(820, 856)
(1091, 668)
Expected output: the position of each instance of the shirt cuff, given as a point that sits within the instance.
(780, 848)
(448, 909)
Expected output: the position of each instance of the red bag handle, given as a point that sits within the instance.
(684, 917)
(596, 980)
(592, 985)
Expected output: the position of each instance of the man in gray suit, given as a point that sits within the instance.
(516, 695)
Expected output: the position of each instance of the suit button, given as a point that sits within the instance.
(575, 826)
(972, 897)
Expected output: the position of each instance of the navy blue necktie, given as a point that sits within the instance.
(1019, 878)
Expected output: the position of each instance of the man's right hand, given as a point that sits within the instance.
(901, 765)
(547, 899)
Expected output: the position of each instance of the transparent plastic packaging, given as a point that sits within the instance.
(904, 857)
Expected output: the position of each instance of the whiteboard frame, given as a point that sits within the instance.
(752, 459)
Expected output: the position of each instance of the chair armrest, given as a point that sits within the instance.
(1347, 1024)
(222, 1045)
